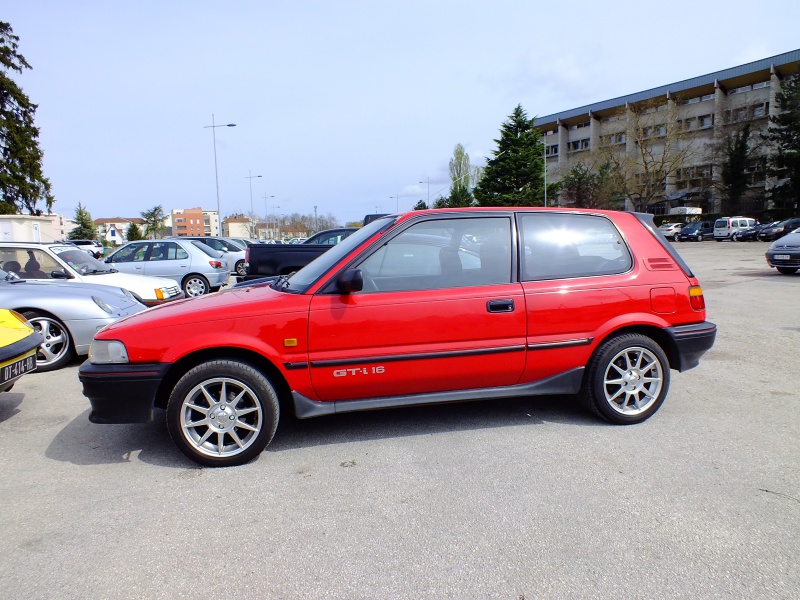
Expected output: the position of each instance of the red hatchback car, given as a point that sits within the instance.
(425, 307)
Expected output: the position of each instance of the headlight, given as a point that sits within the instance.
(103, 305)
(103, 352)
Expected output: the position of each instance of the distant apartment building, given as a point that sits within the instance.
(690, 120)
(194, 221)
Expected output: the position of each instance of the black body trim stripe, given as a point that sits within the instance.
(423, 356)
(295, 366)
(560, 344)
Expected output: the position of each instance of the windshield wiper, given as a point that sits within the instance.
(281, 282)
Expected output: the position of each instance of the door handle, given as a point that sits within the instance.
(500, 306)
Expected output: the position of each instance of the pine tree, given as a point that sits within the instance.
(133, 233)
(86, 229)
(515, 176)
(22, 183)
(734, 174)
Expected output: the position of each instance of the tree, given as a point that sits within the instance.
(734, 178)
(420, 205)
(22, 182)
(585, 187)
(656, 149)
(784, 134)
(134, 233)
(86, 229)
(462, 177)
(153, 222)
(514, 177)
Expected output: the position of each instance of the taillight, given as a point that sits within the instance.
(696, 298)
(216, 264)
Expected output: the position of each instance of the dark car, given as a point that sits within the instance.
(751, 233)
(696, 232)
(784, 253)
(779, 229)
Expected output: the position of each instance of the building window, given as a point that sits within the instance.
(705, 121)
(740, 90)
(551, 150)
(763, 84)
(759, 110)
(707, 97)
(578, 145)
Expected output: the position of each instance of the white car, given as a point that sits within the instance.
(670, 230)
(64, 261)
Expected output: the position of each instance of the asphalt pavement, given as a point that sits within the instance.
(526, 498)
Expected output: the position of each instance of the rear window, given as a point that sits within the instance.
(721, 223)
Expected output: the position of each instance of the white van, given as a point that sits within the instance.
(725, 227)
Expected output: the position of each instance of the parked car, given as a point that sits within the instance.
(198, 269)
(18, 343)
(517, 302)
(670, 230)
(751, 233)
(779, 229)
(243, 242)
(63, 261)
(234, 254)
(726, 227)
(784, 253)
(696, 232)
(94, 247)
(66, 314)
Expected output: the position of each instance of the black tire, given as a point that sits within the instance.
(227, 433)
(195, 285)
(786, 270)
(699, 237)
(619, 368)
(241, 268)
(717, 239)
(57, 349)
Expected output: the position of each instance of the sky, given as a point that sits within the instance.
(346, 107)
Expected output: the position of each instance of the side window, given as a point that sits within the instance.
(162, 251)
(559, 246)
(180, 253)
(132, 253)
(444, 253)
(38, 265)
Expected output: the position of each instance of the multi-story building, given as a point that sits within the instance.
(673, 137)
(193, 221)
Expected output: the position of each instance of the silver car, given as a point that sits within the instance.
(197, 268)
(234, 253)
(66, 314)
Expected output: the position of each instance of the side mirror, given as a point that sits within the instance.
(350, 281)
(60, 274)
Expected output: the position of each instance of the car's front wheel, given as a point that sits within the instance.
(786, 270)
(195, 285)
(627, 379)
(56, 350)
(700, 237)
(222, 413)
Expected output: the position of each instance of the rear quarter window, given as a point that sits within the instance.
(559, 246)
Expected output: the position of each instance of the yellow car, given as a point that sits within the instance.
(18, 344)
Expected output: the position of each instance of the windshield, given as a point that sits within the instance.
(300, 281)
(80, 260)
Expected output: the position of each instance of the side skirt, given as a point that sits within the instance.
(568, 382)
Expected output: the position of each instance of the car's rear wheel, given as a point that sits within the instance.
(627, 379)
(195, 285)
(786, 270)
(57, 349)
(700, 237)
(222, 413)
(241, 268)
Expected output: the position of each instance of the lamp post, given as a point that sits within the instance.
(213, 127)
(397, 201)
(544, 155)
(250, 178)
(428, 180)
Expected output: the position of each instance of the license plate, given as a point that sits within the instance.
(781, 257)
(17, 368)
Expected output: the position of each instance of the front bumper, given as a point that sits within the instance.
(121, 393)
(691, 342)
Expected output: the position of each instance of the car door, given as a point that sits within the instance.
(167, 259)
(440, 311)
(130, 258)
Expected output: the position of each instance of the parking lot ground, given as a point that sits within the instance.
(527, 498)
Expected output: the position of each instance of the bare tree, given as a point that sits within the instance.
(657, 146)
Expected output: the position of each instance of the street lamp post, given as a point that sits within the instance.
(250, 178)
(544, 155)
(213, 127)
(428, 180)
